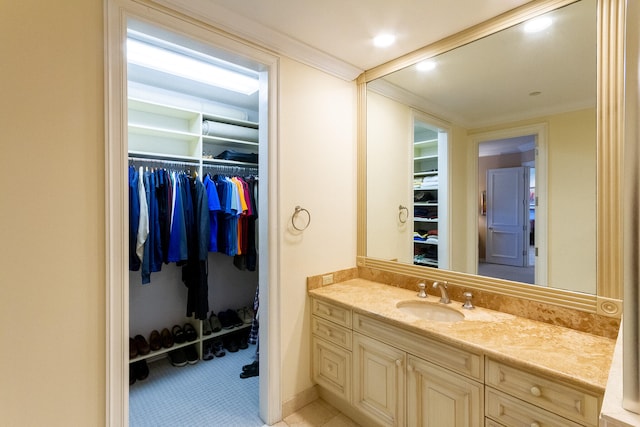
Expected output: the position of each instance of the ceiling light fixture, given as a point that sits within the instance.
(384, 40)
(149, 56)
(426, 65)
(537, 24)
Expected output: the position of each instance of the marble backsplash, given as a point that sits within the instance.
(549, 313)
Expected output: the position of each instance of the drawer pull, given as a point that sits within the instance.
(535, 424)
(536, 392)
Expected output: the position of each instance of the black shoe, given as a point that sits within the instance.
(178, 334)
(225, 320)
(231, 345)
(252, 365)
(141, 369)
(208, 351)
(132, 374)
(218, 349)
(234, 318)
(178, 357)
(242, 343)
(192, 354)
(253, 371)
(189, 332)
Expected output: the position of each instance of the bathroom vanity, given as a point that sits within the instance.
(379, 356)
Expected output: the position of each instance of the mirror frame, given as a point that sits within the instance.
(610, 125)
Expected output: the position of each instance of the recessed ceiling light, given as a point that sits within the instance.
(384, 40)
(426, 65)
(537, 24)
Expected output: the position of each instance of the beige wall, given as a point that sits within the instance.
(52, 234)
(52, 290)
(317, 172)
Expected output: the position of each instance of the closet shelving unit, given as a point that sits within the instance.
(165, 132)
(199, 342)
(161, 132)
(425, 206)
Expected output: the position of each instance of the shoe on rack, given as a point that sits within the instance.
(155, 343)
(132, 374)
(192, 354)
(133, 348)
(141, 369)
(178, 357)
(178, 334)
(252, 371)
(189, 332)
(216, 326)
(225, 321)
(142, 345)
(218, 349)
(206, 327)
(243, 342)
(208, 351)
(231, 344)
(167, 338)
(234, 319)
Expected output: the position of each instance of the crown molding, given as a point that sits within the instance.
(262, 36)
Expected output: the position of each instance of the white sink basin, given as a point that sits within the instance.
(430, 311)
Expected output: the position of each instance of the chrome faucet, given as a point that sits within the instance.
(443, 292)
(423, 292)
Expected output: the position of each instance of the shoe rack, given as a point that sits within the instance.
(198, 342)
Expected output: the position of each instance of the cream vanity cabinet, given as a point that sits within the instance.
(516, 397)
(393, 376)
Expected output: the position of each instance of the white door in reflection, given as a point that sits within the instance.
(507, 216)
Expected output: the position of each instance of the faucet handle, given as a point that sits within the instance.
(467, 301)
(422, 293)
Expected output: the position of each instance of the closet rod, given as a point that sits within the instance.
(232, 170)
(163, 162)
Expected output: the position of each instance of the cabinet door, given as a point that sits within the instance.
(378, 380)
(331, 367)
(437, 397)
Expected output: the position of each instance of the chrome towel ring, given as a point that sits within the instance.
(406, 214)
(297, 211)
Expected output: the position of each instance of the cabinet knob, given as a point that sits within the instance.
(410, 368)
(535, 424)
(536, 391)
(398, 362)
(328, 332)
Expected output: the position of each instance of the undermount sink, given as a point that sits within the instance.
(430, 311)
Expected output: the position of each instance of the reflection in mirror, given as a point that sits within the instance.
(509, 86)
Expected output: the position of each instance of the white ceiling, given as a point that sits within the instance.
(318, 32)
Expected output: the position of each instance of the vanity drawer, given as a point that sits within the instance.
(512, 412)
(331, 332)
(563, 399)
(453, 358)
(334, 313)
(332, 368)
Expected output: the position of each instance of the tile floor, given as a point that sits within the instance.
(317, 414)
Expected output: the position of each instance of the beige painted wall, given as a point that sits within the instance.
(317, 172)
(389, 182)
(52, 287)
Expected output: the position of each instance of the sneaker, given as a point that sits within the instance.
(192, 354)
(243, 342)
(231, 344)
(218, 349)
(234, 319)
(208, 351)
(178, 357)
(206, 327)
(216, 326)
(225, 320)
(249, 314)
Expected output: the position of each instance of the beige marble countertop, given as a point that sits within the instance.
(577, 357)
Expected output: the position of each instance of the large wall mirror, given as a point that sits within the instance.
(490, 158)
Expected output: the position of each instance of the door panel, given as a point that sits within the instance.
(506, 226)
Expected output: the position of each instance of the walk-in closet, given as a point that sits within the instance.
(194, 172)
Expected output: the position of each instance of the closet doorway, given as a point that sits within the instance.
(511, 223)
(199, 129)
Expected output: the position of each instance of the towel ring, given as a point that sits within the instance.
(406, 214)
(295, 215)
